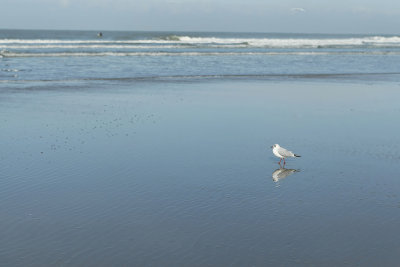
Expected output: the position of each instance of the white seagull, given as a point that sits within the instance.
(282, 153)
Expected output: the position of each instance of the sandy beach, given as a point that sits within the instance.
(181, 174)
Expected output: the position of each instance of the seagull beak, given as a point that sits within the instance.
(272, 146)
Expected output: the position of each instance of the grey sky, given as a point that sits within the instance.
(340, 16)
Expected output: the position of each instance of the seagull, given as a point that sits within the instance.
(282, 153)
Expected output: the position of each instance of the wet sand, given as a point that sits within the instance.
(182, 174)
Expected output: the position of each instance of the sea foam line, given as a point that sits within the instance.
(122, 54)
(88, 46)
(254, 42)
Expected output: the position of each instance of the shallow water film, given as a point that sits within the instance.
(181, 173)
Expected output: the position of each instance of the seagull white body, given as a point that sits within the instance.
(282, 153)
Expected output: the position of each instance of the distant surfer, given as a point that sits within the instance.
(100, 34)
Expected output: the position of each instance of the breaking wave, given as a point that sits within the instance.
(374, 41)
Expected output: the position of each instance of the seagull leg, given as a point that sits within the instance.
(280, 162)
(284, 162)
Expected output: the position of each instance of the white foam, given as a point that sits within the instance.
(10, 70)
(99, 54)
(243, 42)
(297, 42)
(87, 46)
(52, 41)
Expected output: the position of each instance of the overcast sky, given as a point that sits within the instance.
(321, 16)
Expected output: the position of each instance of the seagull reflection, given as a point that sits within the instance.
(282, 173)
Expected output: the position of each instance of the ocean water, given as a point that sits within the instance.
(153, 149)
(44, 57)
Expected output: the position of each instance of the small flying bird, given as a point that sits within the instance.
(282, 153)
(297, 9)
